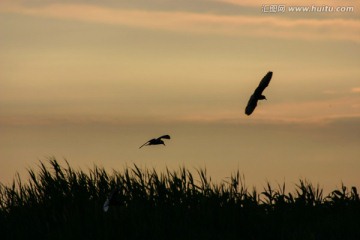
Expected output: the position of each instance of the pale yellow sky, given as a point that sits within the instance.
(70, 72)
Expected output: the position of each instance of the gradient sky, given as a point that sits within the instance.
(90, 81)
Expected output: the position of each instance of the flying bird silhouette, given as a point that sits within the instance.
(156, 141)
(257, 95)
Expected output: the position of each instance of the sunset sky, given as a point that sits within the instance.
(90, 81)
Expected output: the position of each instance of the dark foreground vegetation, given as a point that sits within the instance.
(62, 203)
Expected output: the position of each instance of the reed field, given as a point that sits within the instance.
(58, 202)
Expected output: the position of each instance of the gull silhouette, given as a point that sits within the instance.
(257, 95)
(156, 141)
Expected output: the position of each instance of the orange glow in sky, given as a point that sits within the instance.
(90, 82)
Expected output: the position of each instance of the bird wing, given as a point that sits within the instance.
(110, 199)
(144, 144)
(106, 205)
(263, 84)
(251, 105)
(164, 136)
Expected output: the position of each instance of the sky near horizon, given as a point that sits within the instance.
(90, 81)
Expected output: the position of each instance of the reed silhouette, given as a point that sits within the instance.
(62, 203)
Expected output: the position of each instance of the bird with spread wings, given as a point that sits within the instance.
(257, 95)
(156, 141)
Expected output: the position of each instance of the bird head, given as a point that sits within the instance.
(262, 97)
